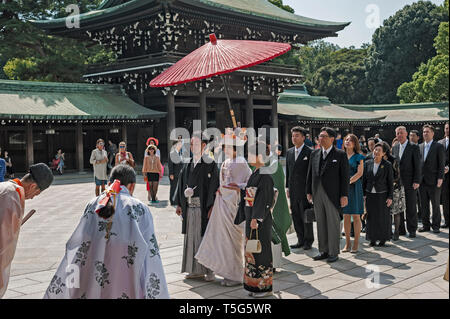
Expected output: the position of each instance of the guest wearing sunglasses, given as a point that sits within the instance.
(124, 157)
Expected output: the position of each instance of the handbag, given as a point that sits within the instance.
(253, 245)
(309, 216)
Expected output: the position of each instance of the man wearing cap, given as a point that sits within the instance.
(12, 205)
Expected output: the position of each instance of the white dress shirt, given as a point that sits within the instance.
(426, 149)
(327, 151)
(402, 149)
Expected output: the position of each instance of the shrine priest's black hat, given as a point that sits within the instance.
(42, 175)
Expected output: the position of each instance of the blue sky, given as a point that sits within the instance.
(359, 31)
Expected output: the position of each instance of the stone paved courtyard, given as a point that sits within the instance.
(406, 269)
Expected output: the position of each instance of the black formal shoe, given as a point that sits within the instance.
(332, 259)
(436, 231)
(321, 256)
(444, 225)
(395, 238)
(402, 233)
(412, 235)
(382, 244)
(372, 243)
(424, 229)
(297, 245)
(307, 247)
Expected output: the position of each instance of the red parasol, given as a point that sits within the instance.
(219, 57)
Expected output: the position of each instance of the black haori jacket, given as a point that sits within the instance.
(206, 177)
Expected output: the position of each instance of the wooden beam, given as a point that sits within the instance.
(249, 111)
(203, 113)
(124, 133)
(170, 118)
(274, 112)
(79, 147)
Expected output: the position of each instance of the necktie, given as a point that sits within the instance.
(296, 153)
(324, 155)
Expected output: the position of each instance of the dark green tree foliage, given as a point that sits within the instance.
(399, 47)
(431, 82)
(30, 54)
(279, 3)
(343, 78)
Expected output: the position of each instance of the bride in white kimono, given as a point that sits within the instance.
(222, 247)
(112, 257)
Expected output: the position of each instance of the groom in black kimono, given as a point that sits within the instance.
(196, 191)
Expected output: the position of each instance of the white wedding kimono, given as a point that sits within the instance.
(118, 261)
(12, 204)
(222, 247)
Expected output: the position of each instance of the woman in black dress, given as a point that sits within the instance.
(259, 199)
(378, 186)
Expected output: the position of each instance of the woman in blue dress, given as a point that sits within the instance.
(355, 207)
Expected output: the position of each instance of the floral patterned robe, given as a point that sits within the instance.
(117, 258)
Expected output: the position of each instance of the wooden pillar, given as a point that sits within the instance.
(274, 111)
(124, 133)
(249, 111)
(29, 145)
(170, 118)
(203, 113)
(79, 147)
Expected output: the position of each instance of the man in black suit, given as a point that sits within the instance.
(445, 184)
(297, 162)
(327, 184)
(408, 156)
(433, 164)
(175, 166)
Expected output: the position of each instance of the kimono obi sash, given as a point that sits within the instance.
(194, 202)
(250, 193)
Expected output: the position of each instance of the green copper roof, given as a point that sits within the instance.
(256, 8)
(296, 103)
(265, 9)
(48, 100)
(410, 112)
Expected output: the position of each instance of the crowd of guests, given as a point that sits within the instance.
(235, 212)
(369, 186)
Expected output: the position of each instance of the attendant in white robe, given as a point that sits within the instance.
(12, 205)
(113, 253)
(222, 247)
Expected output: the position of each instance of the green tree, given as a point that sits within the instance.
(279, 3)
(343, 78)
(309, 58)
(30, 54)
(399, 47)
(431, 82)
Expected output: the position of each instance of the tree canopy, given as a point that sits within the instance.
(29, 54)
(431, 82)
(400, 46)
(343, 78)
(279, 3)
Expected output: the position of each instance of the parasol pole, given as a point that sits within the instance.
(233, 118)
